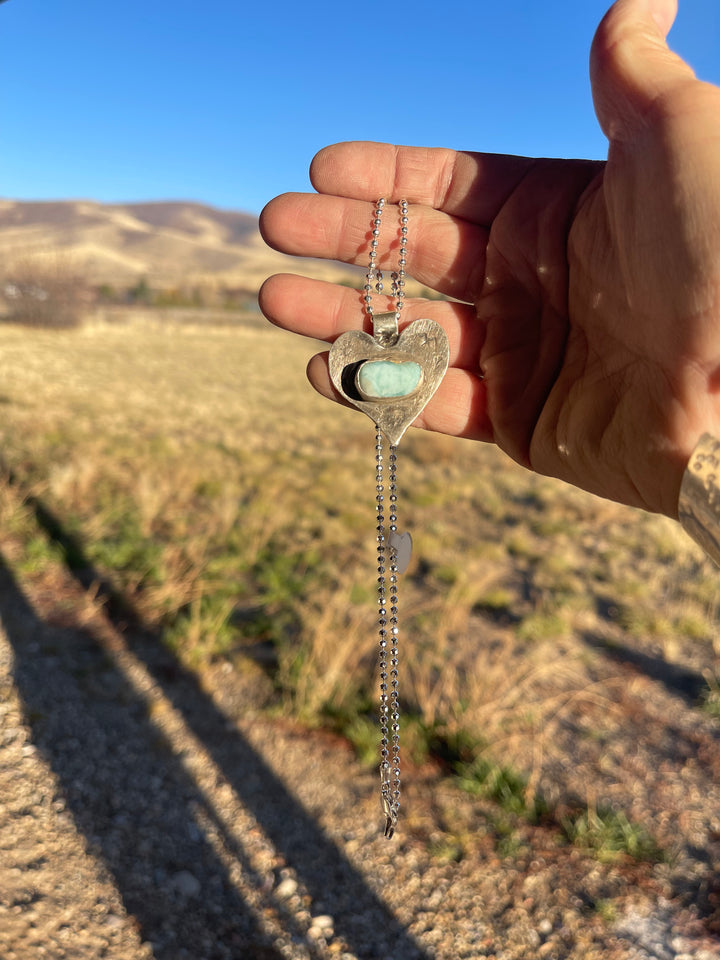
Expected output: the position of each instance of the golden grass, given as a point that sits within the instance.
(234, 507)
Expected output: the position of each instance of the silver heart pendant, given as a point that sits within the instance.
(391, 384)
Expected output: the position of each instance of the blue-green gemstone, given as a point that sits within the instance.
(384, 379)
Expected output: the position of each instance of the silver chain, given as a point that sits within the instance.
(386, 549)
(389, 633)
(374, 277)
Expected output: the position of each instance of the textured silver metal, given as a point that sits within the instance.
(385, 328)
(423, 342)
(699, 504)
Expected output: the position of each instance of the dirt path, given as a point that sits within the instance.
(146, 812)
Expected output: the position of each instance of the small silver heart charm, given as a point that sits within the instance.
(390, 383)
(400, 549)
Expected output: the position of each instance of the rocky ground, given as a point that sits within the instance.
(148, 812)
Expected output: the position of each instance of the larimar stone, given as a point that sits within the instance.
(384, 379)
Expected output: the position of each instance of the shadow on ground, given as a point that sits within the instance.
(681, 681)
(138, 807)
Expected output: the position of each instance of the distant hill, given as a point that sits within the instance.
(167, 243)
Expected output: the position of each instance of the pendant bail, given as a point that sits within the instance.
(385, 328)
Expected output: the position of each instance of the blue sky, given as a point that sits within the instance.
(226, 102)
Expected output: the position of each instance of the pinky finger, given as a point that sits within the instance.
(459, 408)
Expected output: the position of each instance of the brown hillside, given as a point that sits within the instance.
(167, 243)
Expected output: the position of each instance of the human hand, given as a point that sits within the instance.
(585, 336)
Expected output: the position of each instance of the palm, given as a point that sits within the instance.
(582, 325)
(567, 368)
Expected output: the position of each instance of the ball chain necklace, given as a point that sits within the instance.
(390, 376)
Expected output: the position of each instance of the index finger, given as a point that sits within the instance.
(473, 186)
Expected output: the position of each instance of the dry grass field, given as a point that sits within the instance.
(193, 468)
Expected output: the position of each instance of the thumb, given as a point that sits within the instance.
(631, 65)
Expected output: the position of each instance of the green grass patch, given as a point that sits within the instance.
(610, 835)
(542, 626)
(502, 784)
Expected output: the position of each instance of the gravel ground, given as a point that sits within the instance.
(147, 812)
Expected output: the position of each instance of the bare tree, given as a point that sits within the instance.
(45, 291)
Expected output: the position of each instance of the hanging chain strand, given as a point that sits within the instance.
(390, 377)
(389, 692)
(386, 549)
(374, 276)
